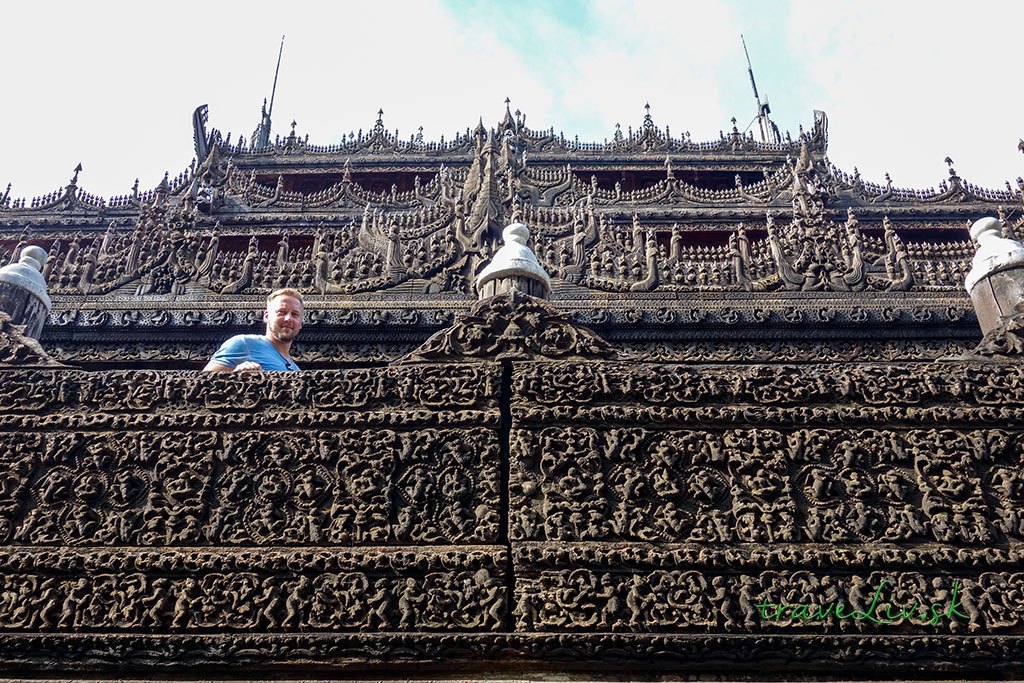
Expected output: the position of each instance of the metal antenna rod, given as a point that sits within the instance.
(761, 114)
(750, 70)
(273, 90)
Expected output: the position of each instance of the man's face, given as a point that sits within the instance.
(284, 318)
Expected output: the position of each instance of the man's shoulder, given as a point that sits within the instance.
(242, 340)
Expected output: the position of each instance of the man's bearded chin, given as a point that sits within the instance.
(283, 333)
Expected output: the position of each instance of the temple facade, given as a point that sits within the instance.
(737, 418)
(729, 250)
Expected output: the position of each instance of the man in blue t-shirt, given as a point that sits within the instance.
(268, 351)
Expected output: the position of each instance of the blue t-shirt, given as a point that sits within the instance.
(254, 347)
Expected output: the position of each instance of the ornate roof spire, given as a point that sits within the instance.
(508, 123)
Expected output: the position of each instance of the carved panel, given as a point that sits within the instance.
(147, 399)
(384, 456)
(694, 588)
(269, 591)
(760, 485)
(198, 488)
(775, 395)
(832, 351)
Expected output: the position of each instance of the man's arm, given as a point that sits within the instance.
(247, 366)
(232, 356)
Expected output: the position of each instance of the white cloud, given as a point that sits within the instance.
(906, 84)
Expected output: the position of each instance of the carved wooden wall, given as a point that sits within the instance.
(474, 516)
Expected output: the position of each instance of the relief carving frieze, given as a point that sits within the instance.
(188, 592)
(840, 351)
(387, 456)
(779, 395)
(579, 483)
(660, 600)
(670, 503)
(149, 398)
(348, 487)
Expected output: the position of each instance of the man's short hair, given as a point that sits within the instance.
(287, 291)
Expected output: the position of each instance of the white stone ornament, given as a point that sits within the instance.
(514, 265)
(995, 252)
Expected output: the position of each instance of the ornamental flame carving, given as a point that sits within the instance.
(512, 326)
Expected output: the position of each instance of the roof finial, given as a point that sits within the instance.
(648, 121)
(78, 169)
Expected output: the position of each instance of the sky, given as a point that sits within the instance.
(112, 85)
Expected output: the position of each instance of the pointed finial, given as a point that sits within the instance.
(952, 171)
(78, 169)
(380, 114)
(293, 127)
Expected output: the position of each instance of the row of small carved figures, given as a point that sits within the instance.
(477, 600)
(415, 504)
(298, 268)
(120, 258)
(451, 600)
(747, 521)
(691, 599)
